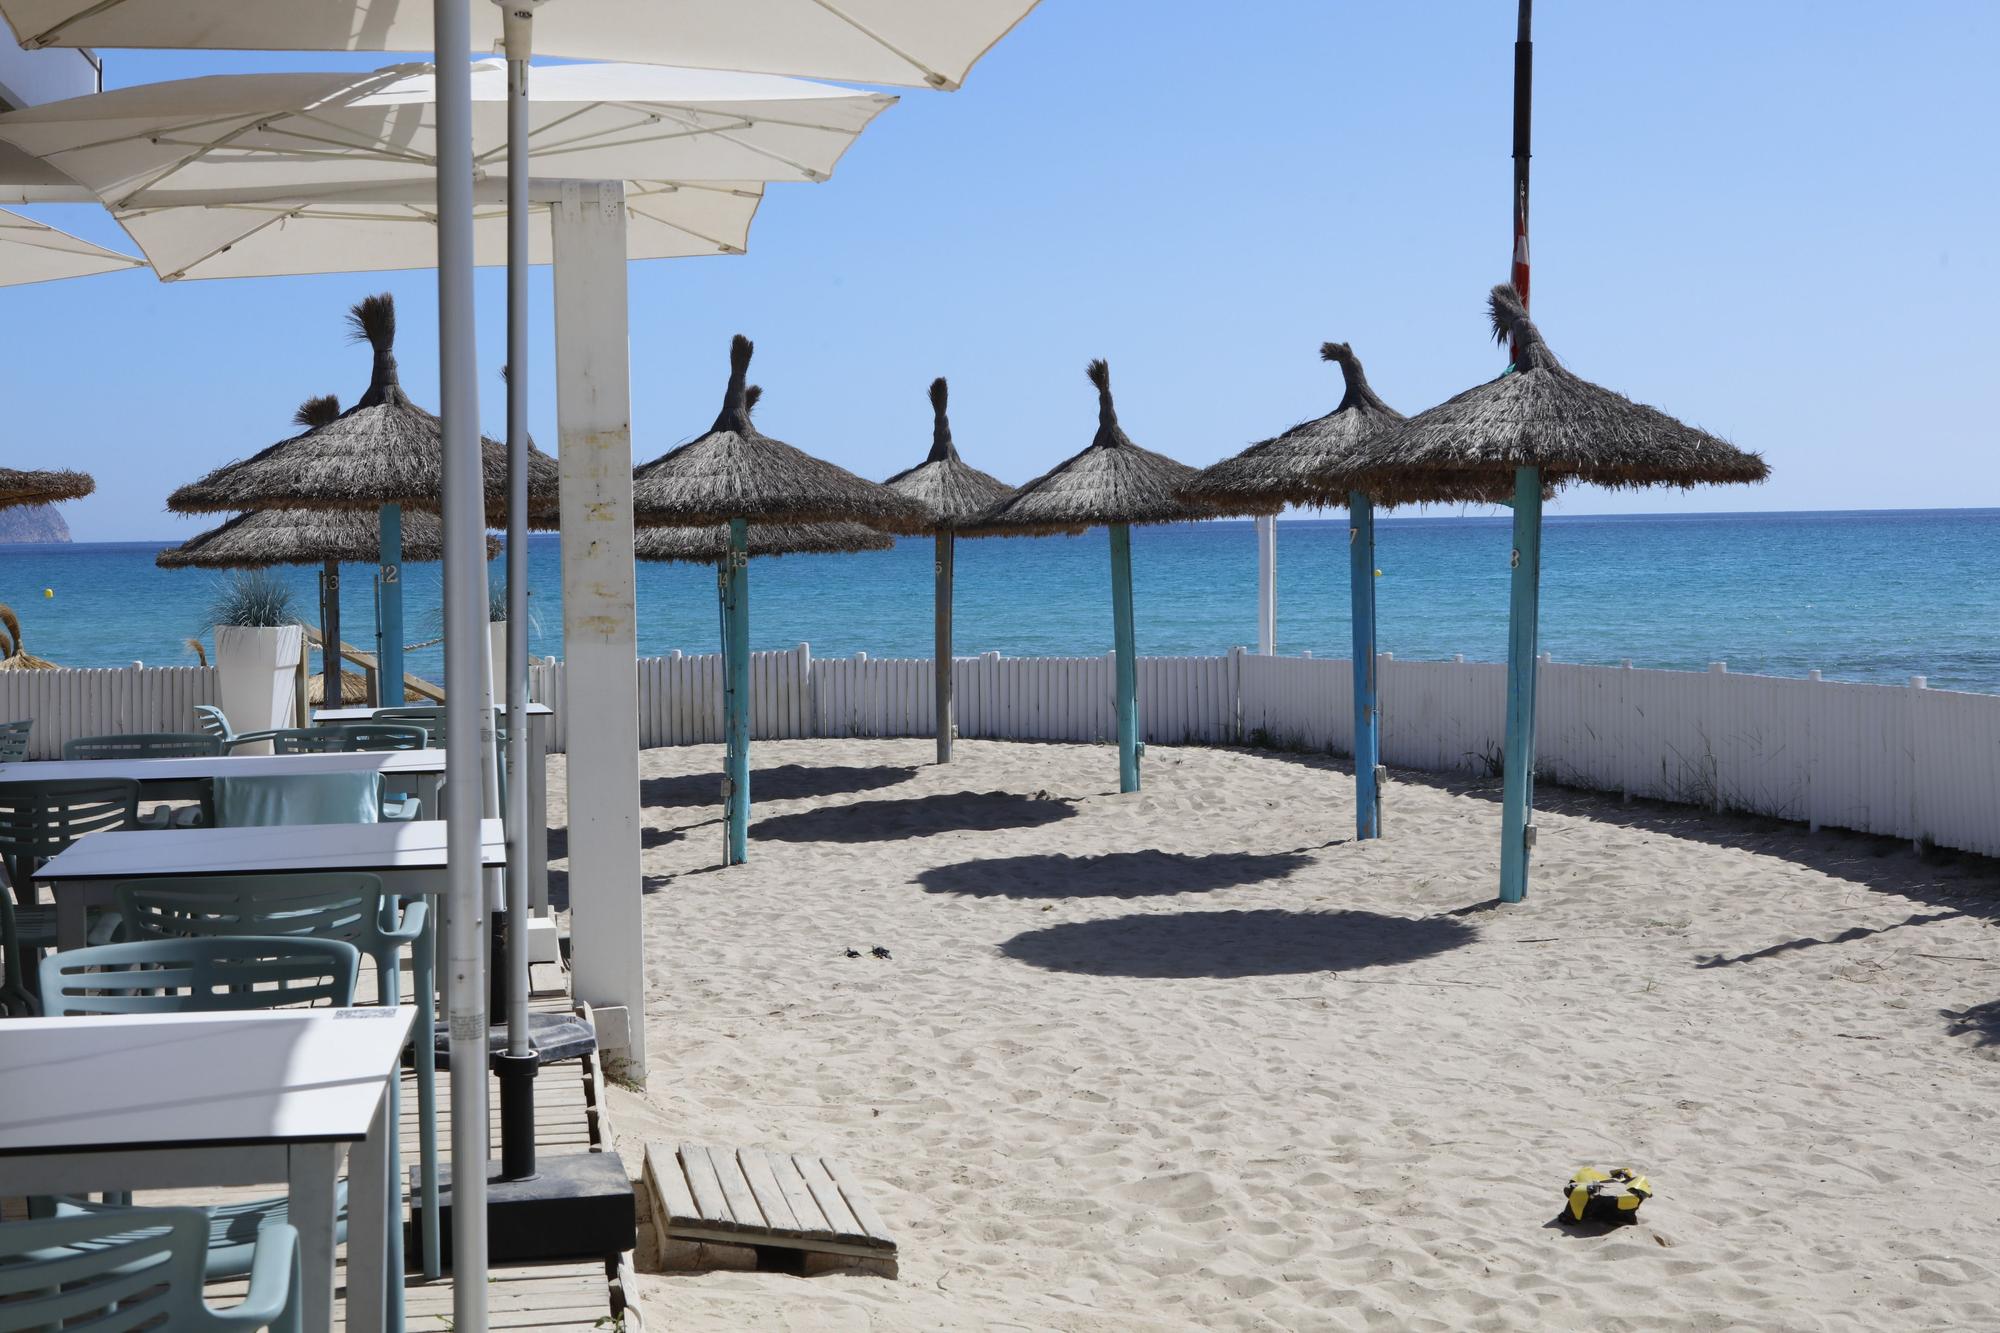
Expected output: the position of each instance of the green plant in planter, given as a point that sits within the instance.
(254, 598)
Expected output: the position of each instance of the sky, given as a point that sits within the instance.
(1775, 221)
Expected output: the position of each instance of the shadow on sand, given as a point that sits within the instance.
(1113, 875)
(1236, 944)
(913, 817)
(786, 782)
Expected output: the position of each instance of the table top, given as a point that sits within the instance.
(125, 1082)
(368, 714)
(142, 853)
(225, 766)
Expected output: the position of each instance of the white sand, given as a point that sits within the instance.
(1241, 1073)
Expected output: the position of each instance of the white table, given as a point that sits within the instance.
(409, 857)
(186, 1101)
(188, 779)
(538, 790)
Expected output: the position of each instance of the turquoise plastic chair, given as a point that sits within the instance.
(377, 736)
(14, 740)
(298, 798)
(37, 821)
(132, 1268)
(348, 906)
(143, 745)
(297, 740)
(430, 720)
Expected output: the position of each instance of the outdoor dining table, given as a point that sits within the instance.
(187, 779)
(538, 790)
(189, 1101)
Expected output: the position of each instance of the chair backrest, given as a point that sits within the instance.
(212, 721)
(143, 745)
(303, 740)
(298, 798)
(199, 975)
(40, 819)
(382, 736)
(120, 1269)
(430, 719)
(14, 739)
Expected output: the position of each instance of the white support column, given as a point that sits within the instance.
(1267, 584)
(600, 628)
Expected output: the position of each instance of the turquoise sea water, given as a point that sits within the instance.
(1872, 596)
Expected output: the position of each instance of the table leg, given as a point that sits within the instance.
(424, 975)
(312, 1169)
(368, 1196)
(538, 815)
(72, 917)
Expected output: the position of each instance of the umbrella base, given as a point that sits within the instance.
(578, 1206)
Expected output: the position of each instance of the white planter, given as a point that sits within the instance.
(254, 668)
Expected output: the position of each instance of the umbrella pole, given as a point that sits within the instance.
(330, 693)
(1128, 666)
(1367, 711)
(465, 664)
(942, 649)
(1516, 832)
(737, 723)
(518, 1066)
(389, 608)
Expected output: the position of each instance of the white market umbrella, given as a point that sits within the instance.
(916, 42)
(31, 251)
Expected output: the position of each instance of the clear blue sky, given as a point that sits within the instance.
(1776, 220)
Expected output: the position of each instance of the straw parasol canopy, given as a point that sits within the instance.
(383, 450)
(1112, 481)
(951, 492)
(12, 656)
(708, 545)
(736, 471)
(35, 488)
(1301, 466)
(1539, 414)
(265, 537)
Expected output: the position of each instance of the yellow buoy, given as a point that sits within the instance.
(48, 592)
(1378, 573)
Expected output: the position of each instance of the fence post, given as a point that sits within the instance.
(1910, 731)
(808, 692)
(1715, 764)
(1236, 693)
(1625, 766)
(1812, 807)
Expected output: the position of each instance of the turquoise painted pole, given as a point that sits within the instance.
(1128, 664)
(1367, 710)
(390, 607)
(736, 725)
(1524, 610)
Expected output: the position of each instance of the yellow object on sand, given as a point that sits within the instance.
(1606, 1196)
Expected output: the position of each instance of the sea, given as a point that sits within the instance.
(1864, 596)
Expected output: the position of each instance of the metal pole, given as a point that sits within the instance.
(737, 723)
(1367, 710)
(1518, 796)
(329, 629)
(465, 667)
(1128, 666)
(1267, 584)
(518, 1067)
(941, 644)
(389, 606)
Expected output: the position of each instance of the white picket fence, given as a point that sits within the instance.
(1904, 761)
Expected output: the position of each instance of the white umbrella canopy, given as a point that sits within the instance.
(395, 227)
(924, 43)
(31, 251)
(316, 136)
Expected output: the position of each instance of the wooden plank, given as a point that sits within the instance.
(840, 1218)
(804, 1207)
(763, 1184)
(775, 1240)
(742, 1203)
(670, 1184)
(864, 1213)
(711, 1204)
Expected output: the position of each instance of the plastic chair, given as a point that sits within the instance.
(199, 976)
(14, 740)
(431, 720)
(348, 906)
(37, 821)
(131, 1268)
(377, 736)
(143, 745)
(298, 798)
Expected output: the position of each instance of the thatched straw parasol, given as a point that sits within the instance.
(1304, 466)
(12, 656)
(710, 545)
(1537, 427)
(952, 493)
(19, 488)
(736, 475)
(1116, 483)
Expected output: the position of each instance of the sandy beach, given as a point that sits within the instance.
(1193, 1059)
